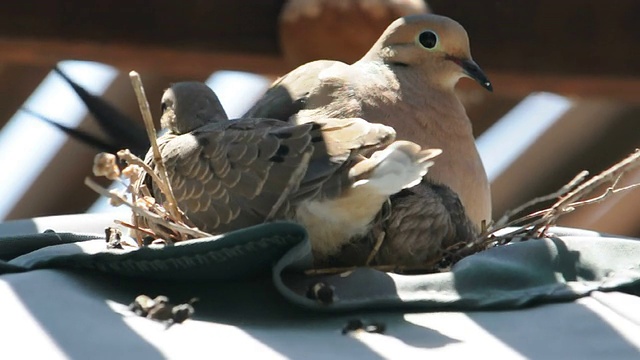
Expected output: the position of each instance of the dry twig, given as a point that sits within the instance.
(164, 185)
(180, 228)
(135, 227)
(589, 186)
(376, 248)
(563, 190)
(568, 198)
(294, 180)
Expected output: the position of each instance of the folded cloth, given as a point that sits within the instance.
(569, 265)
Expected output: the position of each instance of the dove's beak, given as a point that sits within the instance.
(472, 70)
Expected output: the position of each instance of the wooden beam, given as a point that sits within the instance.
(185, 63)
(625, 89)
(570, 37)
(187, 38)
(218, 26)
(527, 37)
(18, 82)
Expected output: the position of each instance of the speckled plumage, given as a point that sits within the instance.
(418, 225)
(335, 174)
(402, 84)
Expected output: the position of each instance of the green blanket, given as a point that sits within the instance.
(561, 268)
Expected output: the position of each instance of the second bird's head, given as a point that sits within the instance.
(438, 46)
(189, 105)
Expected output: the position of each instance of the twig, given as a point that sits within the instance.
(376, 248)
(145, 191)
(294, 180)
(136, 220)
(385, 268)
(625, 165)
(135, 227)
(610, 191)
(132, 159)
(165, 185)
(568, 198)
(327, 271)
(148, 215)
(563, 190)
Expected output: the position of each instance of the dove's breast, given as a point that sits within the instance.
(332, 223)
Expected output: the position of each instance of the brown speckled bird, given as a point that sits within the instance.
(417, 228)
(431, 211)
(406, 80)
(335, 174)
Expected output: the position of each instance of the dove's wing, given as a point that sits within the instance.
(344, 143)
(288, 95)
(229, 175)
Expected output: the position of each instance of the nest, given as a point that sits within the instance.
(166, 223)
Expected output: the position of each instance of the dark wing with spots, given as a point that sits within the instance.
(219, 172)
(288, 94)
(230, 175)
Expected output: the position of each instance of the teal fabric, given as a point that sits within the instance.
(234, 256)
(521, 274)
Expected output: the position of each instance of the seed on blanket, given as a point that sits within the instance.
(160, 309)
(377, 328)
(358, 325)
(114, 237)
(182, 312)
(352, 325)
(322, 292)
(141, 305)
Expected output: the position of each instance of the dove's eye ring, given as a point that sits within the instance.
(428, 39)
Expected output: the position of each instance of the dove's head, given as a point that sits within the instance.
(432, 45)
(187, 106)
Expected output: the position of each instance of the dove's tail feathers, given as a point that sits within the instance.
(401, 165)
(343, 136)
(122, 131)
(77, 134)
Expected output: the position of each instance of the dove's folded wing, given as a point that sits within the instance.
(288, 95)
(226, 176)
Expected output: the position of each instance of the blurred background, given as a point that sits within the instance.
(566, 77)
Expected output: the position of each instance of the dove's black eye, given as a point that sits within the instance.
(164, 107)
(428, 39)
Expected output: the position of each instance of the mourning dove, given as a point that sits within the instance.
(431, 211)
(406, 80)
(335, 174)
